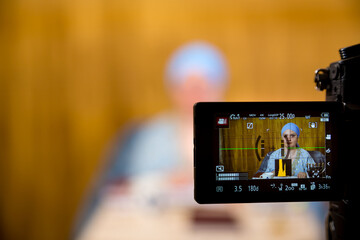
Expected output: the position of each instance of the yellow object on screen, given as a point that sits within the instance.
(282, 169)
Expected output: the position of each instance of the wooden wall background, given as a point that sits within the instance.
(73, 72)
(239, 136)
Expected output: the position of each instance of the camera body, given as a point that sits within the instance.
(242, 151)
(341, 80)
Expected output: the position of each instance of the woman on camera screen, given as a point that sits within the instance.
(299, 157)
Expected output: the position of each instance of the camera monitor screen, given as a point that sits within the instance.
(263, 152)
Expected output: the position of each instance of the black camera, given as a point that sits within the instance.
(341, 80)
(285, 151)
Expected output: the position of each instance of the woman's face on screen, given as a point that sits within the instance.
(290, 138)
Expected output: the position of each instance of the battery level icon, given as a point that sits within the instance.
(325, 114)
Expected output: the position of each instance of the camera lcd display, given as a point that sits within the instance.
(263, 152)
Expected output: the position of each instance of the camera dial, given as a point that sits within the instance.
(322, 80)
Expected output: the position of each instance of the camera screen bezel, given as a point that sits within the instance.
(205, 152)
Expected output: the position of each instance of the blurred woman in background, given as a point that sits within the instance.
(152, 166)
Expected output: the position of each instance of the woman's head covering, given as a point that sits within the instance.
(291, 126)
(199, 57)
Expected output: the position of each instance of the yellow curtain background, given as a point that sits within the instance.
(73, 72)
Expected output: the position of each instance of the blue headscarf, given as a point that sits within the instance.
(292, 127)
(197, 56)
